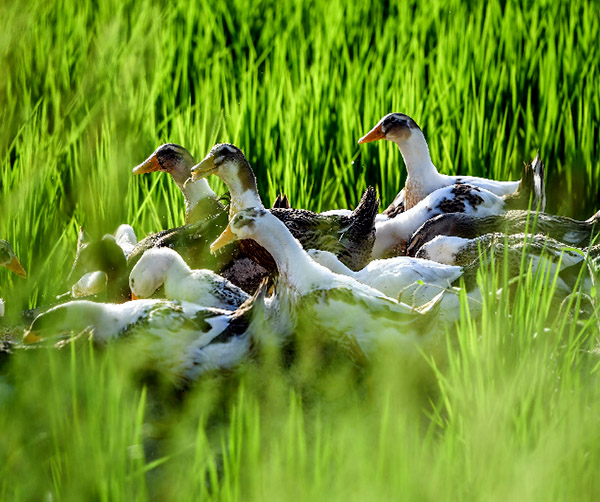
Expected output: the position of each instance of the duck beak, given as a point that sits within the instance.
(133, 297)
(150, 165)
(30, 337)
(204, 168)
(16, 267)
(373, 135)
(225, 238)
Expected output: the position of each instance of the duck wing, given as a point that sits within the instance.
(369, 320)
(397, 206)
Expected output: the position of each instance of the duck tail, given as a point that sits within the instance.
(367, 208)
(281, 202)
(594, 219)
(363, 216)
(532, 186)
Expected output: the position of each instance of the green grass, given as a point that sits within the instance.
(88, 91)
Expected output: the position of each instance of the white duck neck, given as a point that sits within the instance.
(294, 264)
(173, 270)
(417, 158)
(195, 191)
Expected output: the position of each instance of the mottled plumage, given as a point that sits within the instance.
(392, 235)
(573, 232)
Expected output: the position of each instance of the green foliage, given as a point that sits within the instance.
(90, 89)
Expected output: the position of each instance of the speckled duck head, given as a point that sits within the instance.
(230, 164)
(169, 158)
(396, 127)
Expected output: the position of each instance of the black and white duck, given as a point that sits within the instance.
(572, 232)
(165, 267)
(335, 306)
(100, 266)
(350, 238)
(183, 340)
(423, 177)
(393, 234)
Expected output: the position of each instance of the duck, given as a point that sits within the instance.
(96, 259)
(200, 200)
(348, 237)
(452, 250)
(423, 177)
(90, 284)
(540, 252)
(412, 280)
(126, 239)
(164, 266)
(318, 302)
(9, 259)
(181, 339)
(393, 234)
(566, 230)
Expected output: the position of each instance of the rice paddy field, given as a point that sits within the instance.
(510, 411)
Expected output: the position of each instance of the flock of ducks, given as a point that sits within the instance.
(206, 295)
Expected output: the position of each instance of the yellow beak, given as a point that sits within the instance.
(16, 267)
(225, 238)
(150, 165)
(373, 135)
(29, 338)
(204, 168)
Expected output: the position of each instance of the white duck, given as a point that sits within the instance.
(392, 235)
(333, 306)
(423, 177)
(200, 200)
(159, 266)
(412, 280)
(183, 340)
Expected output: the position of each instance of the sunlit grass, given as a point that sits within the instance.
(88, 91)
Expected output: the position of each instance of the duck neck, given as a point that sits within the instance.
(174, 270)
(417, 158)
(242, 187)
(199, 199)
(294, 264)
(392, 235)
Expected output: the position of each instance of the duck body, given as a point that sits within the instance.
(182, 339)
(413, 280)
(314, 299)
(572, 232)
(423, 177)
(350, 237)
(96, 257)
(164, 266)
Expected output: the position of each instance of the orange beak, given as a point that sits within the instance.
(150, 165)
(373, 135)
(16, 267)
(133, 297)
(29, 338)
(225, 238)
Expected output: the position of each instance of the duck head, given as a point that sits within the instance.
(244, 225)
(396, 127)
(9, 259)
(230, 164)
(169, 158)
